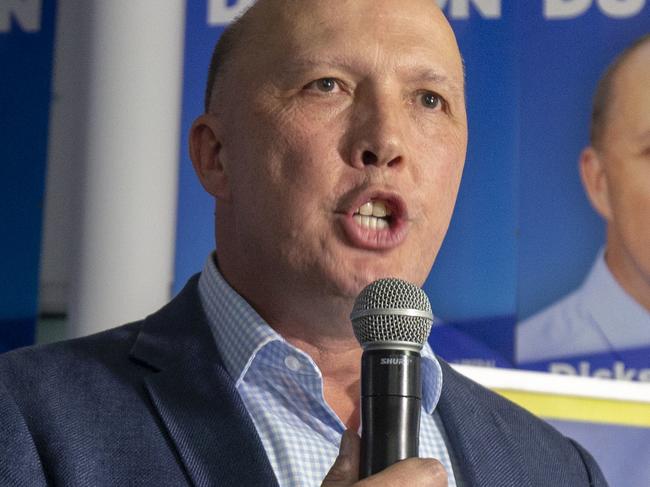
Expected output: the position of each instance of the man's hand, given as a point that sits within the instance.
(414, 472)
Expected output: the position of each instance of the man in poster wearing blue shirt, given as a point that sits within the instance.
(606, 322)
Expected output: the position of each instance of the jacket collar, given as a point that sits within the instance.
(196, 399)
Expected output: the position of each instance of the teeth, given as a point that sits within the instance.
(371, 222)
(379, 209)
(374, 208)
(366, 209)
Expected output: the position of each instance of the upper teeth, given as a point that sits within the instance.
(374, 208)
(371, 214)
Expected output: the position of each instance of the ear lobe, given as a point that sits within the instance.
(594, 180)
(207, 156)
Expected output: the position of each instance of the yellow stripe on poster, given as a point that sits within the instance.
(574, 408)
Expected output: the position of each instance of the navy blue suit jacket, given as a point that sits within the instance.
(150, 403)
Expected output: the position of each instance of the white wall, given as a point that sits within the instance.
(113, 161)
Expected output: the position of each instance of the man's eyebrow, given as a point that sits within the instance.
(437, 78)
(306, 63)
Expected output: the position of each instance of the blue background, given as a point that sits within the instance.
(25, 81)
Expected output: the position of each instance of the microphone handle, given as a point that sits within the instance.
(391, 392)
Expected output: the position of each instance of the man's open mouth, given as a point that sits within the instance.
(377, 220)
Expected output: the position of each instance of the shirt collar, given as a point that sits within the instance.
(240, 333)
(623, 321)
(431, 379)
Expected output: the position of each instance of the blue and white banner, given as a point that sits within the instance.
(26, 51)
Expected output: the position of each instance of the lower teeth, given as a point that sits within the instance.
(371, 222)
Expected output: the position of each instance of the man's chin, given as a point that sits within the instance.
(345, 274)
(350, 286)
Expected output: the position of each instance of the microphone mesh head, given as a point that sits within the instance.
(380, 313)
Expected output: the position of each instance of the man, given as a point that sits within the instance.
(608, 317)
(334, 144)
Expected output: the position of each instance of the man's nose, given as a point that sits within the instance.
(378, 134)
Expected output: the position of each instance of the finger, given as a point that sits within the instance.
(414, 472)
(345, 470)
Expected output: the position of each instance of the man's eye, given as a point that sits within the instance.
(431, 100)
(326, 85)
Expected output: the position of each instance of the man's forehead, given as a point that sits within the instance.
(314, 28)
(281, 18)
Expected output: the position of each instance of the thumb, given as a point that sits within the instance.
(345, 470)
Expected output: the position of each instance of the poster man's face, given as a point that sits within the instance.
(625, 156)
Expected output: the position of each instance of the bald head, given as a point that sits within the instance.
(606, 91)
(266, 23)
(229, 45)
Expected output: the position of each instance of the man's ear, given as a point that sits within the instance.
(594, 180)
(208, 157)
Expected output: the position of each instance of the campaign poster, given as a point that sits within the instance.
(522, 279)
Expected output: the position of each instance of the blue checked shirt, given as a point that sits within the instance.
(282, 389)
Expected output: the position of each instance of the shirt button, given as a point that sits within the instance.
(292, 363)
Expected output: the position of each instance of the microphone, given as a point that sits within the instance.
(391, 319)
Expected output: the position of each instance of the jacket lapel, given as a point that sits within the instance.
(196, 399)
(481, 440)
(214, 435)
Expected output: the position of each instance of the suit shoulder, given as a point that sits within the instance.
(542, 449)
(68, 358)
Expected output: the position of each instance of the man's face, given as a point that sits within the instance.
(338, 110)
(625, 154)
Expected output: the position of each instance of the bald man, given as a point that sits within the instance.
(334, 144)
(608, 317)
